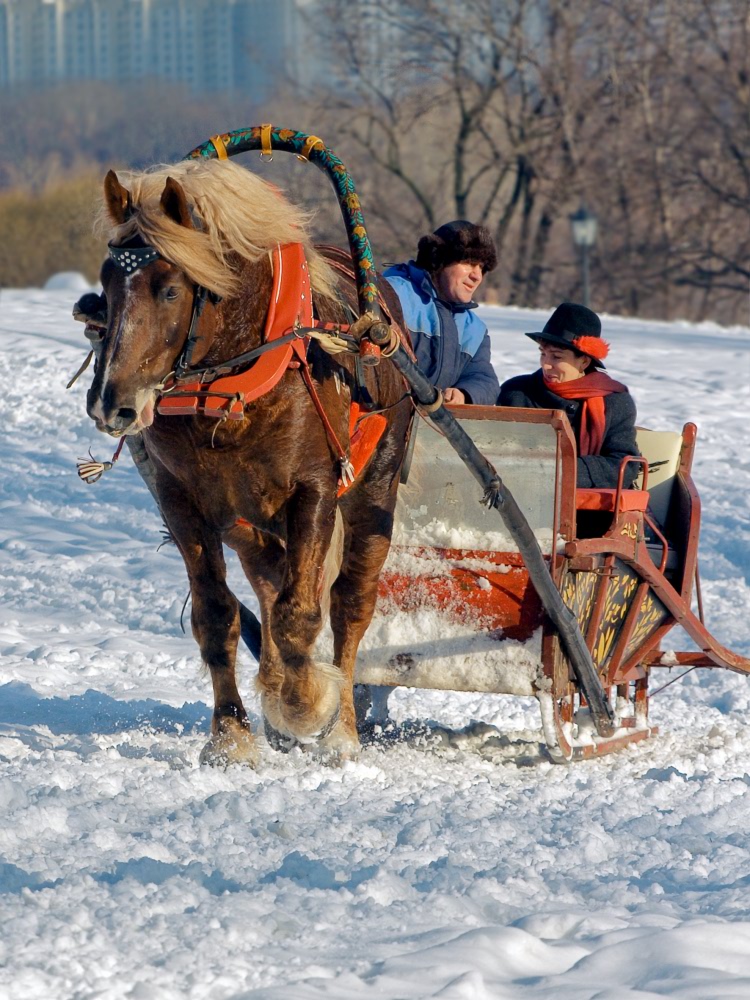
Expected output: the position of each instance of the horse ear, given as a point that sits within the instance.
(175, 205)
(117, 198)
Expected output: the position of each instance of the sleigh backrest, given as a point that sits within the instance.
(662, 450)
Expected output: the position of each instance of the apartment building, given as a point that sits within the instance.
(209, 45)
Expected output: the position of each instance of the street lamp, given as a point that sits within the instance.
(584, 226)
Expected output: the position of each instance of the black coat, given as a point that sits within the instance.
(597, 471)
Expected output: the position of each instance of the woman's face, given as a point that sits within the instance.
(559, 364)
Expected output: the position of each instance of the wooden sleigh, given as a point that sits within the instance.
(624, 561)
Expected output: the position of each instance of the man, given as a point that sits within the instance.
(436, 293)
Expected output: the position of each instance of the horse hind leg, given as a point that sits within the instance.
(309, 698)
(353, 601)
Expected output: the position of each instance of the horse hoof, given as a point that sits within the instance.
(233, 744)
(339, 746)
(278, 741)
(310, 703)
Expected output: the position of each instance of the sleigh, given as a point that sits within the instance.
(625, 562)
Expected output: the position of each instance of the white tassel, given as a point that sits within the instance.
(347, 472)
(91, 471)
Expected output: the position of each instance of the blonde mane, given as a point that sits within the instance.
(235, 212)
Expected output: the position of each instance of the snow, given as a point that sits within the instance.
(455, 862)
(67, 281)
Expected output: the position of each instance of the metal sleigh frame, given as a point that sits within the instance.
(603, 600)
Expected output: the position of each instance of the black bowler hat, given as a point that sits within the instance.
(576, 327)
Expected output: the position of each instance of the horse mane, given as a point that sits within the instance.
(234, 212)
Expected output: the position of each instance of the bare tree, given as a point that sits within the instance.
(478, 110)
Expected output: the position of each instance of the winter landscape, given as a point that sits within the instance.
(467, 868)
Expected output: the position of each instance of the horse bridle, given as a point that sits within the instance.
(130, 259)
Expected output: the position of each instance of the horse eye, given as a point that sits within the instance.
(172, 293)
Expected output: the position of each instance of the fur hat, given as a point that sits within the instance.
(577, 328)
(455, 242)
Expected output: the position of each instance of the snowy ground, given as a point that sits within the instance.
(126, 871)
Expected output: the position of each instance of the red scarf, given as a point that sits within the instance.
(591, 389)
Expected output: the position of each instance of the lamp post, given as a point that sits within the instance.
(584, 225)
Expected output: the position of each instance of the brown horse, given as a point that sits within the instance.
(266, 484)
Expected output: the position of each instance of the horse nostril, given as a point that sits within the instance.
(124, 417)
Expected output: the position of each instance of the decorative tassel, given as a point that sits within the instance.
(92, 471)
(347, 472)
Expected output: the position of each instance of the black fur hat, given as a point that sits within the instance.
(455, 242)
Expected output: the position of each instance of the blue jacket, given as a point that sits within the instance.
(451, 343)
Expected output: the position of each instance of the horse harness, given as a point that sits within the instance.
(222, 391)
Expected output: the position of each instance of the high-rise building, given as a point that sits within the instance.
(210, 45)
(4, 46)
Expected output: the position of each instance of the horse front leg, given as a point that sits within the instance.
(308, 701)
(216, 626)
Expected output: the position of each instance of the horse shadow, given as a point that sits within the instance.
(34, 719)
(93, 713)
(481, 739)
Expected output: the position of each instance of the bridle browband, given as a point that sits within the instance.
(130, 259)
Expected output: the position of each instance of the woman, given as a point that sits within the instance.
(600, 410)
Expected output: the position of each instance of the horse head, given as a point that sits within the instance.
(151, 307)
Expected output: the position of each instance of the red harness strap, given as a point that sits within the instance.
(365, 430)
(227, 396)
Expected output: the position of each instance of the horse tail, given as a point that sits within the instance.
(332, 564)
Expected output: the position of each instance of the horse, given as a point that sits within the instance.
(189, 283)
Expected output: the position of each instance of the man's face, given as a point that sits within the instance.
(458, 282)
